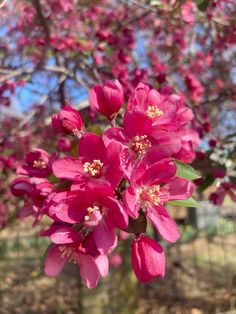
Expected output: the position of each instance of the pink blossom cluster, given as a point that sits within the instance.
(112, 182)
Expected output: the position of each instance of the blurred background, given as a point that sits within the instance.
(56, 50)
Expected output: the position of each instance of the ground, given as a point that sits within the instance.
(200, 278)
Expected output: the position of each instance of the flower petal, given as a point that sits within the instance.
(102, 263)
(105, 238)
(88, 270)
(136, 123)
(132, 205)
(91, 146)
(54, 263)
(163, 223)
(68, 168)
(65, 235)
(160, 172)
(177, 189)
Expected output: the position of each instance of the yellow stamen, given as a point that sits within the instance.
(154, 112)
(94, 168)
(140, 144)
(153, 194)
(40, 164)
(90, 210)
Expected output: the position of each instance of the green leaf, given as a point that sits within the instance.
(191, 202)
(53, 179)
(202, 4)
(186, 171)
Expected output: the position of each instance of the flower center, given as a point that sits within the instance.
(152, 195)
(40, 164)
(154, 112)
(94, 168)
(69, 252)
(140, 144)
(90, 210)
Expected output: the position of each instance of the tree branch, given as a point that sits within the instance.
(42, 19)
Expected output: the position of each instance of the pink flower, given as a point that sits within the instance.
(195, 87)
(212, 142)
(71, 245)
(107, 98)
(68, 121)
(35, 191)
(96, 162)
(37, 164)
(164, 111)
(95, 207)
(226, 188)
(64, 144)
(150, 188)
(22, 186)
(138, 136)
(189, 141)
(219, 172)
(148, 259)
(187, 9)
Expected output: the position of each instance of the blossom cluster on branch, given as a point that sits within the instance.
(55, 50)
(112, 182)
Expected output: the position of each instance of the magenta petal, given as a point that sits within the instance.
(114, 134)
(177, 189)
(105, 238)
(132, 205)
(96, 95)
(65, 235)
(102, 263)
(113, 172)
(127, 160)
(116, 215)
(54, 263)
(163, 223)
(113, 93)
(153, 257)
(136, 259)
(68, 168)
(26, 211)
(88, 270)
(91, 146)
(136, 123)
(160, 172)
(148, 259)
(22, 186)
(165, 145)
(66, 207)
(139, 97)
(98, 101)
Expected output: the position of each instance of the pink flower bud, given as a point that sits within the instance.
(200, 155)
(68, 121)
(107, 98)
(212, 142)
(219, 172)
(148, 259)
(22, 186)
